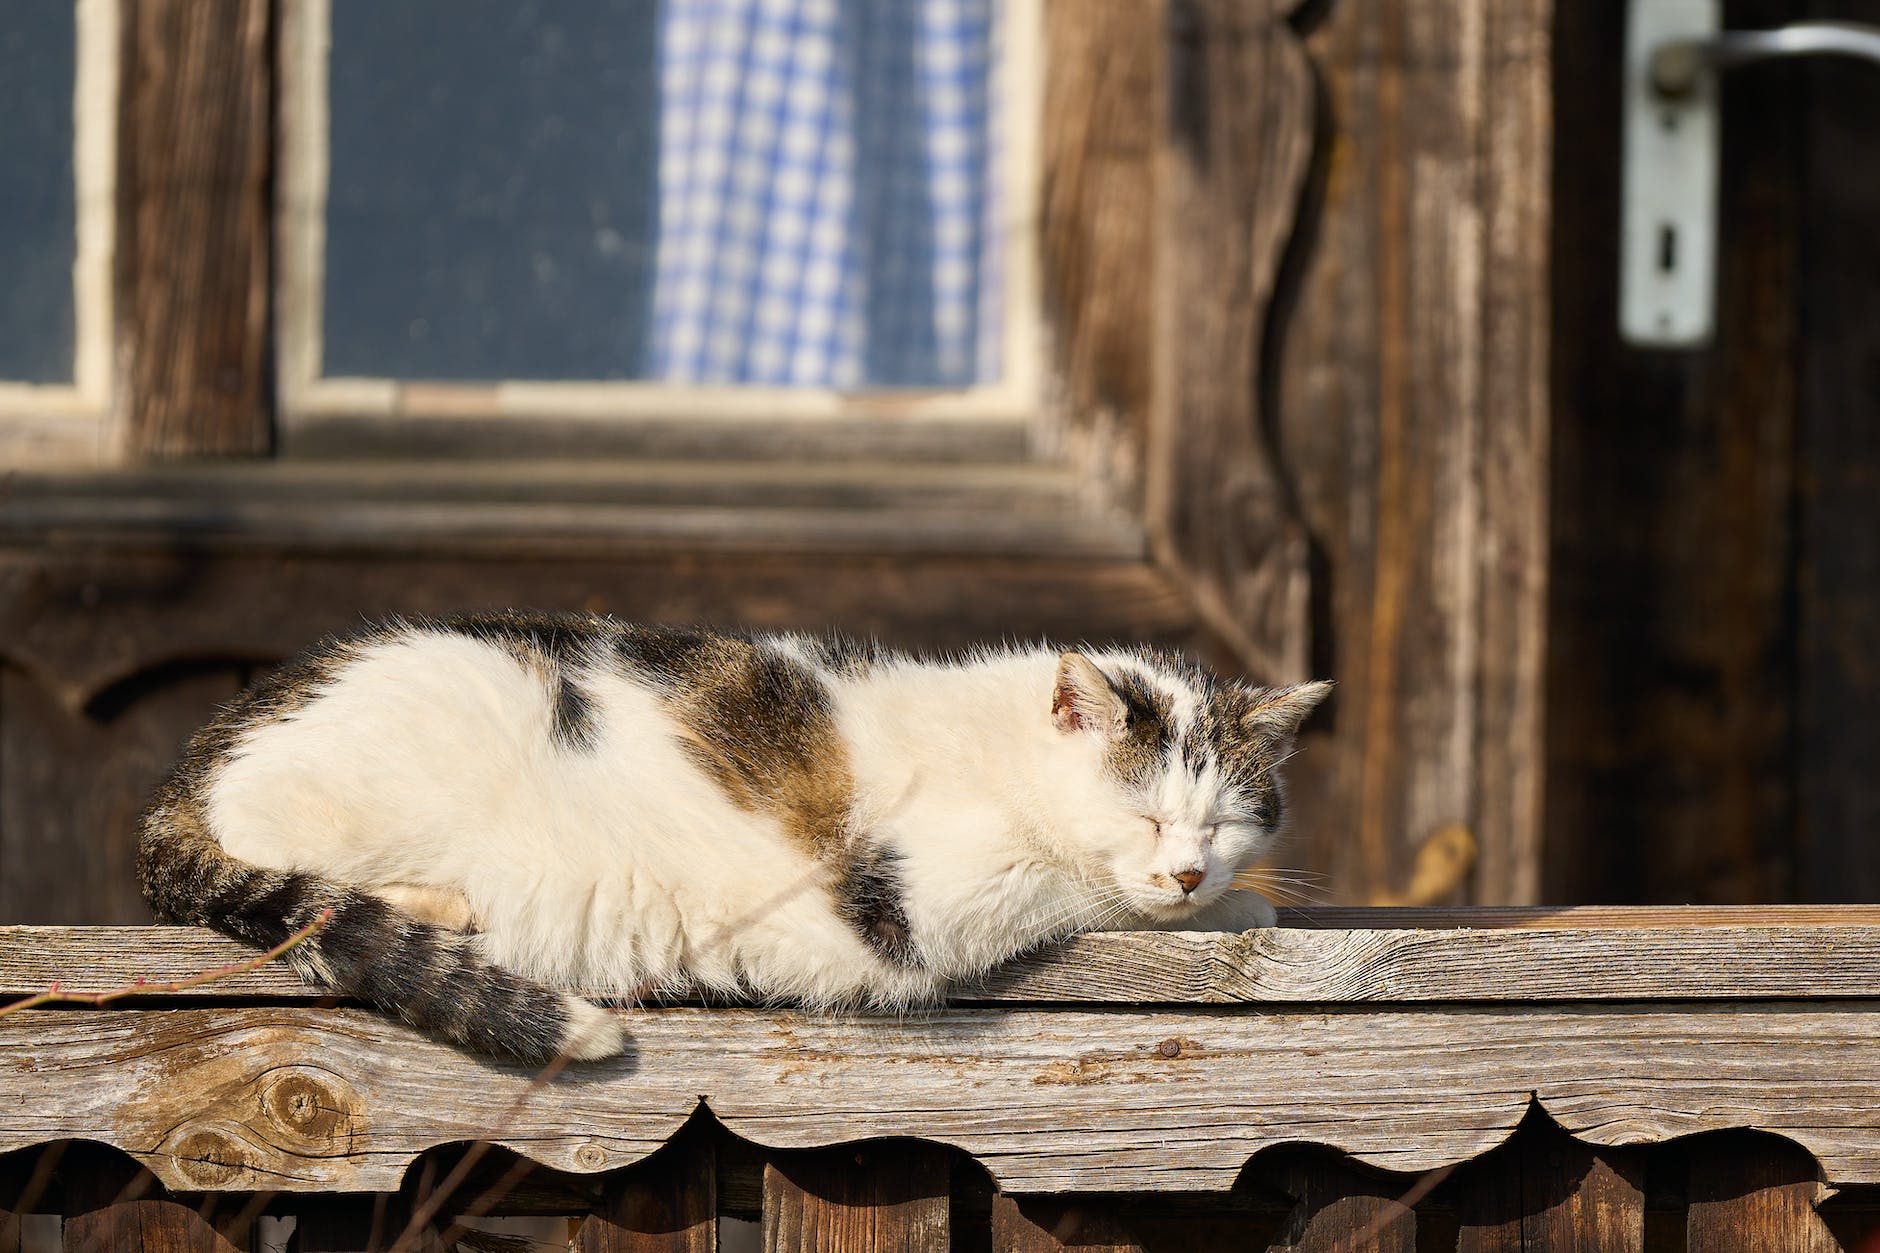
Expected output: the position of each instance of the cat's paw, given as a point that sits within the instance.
(592, 1032)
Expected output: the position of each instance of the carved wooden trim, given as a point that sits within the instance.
(1237, 118)
(194, 220)
(296, 1099)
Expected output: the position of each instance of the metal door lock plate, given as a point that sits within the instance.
(1668, 230)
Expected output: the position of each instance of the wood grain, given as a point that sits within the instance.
(670, 1205)
(1043, 1226)
(195, 146)
(67, 827)
(1837, 579)
(1761, 1195)
(872, 1197)
(1546, 1191)
(1412, 420)
(1280, 967)
(295, 1099)
(1237, 124)
(1337, 1210)
(1104, 69)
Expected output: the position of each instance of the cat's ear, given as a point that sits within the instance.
(1083, 700)
(1278, 712)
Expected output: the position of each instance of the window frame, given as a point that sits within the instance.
(332, 415)
(73, 422)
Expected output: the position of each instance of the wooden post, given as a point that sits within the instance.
(875, 1197)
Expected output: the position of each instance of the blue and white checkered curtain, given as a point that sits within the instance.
(826, 193)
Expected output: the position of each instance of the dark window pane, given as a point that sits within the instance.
(489, 204)
(38, 221)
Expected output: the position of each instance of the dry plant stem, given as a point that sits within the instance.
(142, 987)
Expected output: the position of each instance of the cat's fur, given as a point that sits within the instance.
(496, 803)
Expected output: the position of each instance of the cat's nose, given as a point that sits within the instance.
(1190, 879)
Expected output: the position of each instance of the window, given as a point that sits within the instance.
(58, 64)
(708, 208)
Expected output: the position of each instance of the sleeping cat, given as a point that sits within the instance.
(492, 804)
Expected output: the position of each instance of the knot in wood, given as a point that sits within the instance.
(207, 1157)
(311, 1106)
(590, 1157)
(1169, 1048)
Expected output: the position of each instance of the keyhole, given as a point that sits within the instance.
(1667, 248)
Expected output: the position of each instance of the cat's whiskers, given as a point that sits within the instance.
(1285, 886)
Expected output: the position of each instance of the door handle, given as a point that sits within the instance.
(1676, 64)
(1675, 57)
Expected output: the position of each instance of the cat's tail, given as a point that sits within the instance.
(433, 978)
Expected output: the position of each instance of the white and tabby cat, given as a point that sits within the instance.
(495, 803)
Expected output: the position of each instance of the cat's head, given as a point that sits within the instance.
(1188, 789)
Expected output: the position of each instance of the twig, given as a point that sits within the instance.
(143, 987)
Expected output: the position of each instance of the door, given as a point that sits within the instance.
(1714, 686)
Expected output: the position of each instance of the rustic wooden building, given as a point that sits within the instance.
(1311, 367)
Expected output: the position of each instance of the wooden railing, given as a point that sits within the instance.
(1406, 1080)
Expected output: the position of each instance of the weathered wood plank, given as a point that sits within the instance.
(877, 1197)
(1338, 1210)
(195, 225)
(293, 1099)
(1279, 966)
(1758, 1195)
(668, 1206)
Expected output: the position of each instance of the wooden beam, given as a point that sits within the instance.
(1641, 963)
(195, 141)
(294, 1099)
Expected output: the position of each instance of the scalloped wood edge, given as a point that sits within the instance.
(296, 1099)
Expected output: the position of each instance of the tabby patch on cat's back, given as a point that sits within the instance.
(498, 805)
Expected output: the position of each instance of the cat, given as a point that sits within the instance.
(494, 804)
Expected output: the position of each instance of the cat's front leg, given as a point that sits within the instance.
(1241, 909)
